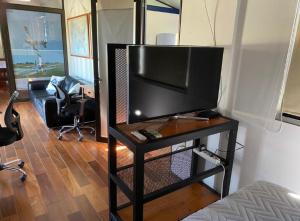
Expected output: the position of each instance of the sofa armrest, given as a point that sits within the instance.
(38, 85)
(50, 112)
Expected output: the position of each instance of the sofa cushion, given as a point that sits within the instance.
(68, 83)
(75, 89)
(56, 80)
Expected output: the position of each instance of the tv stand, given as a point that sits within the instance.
(134, 181)
(148, 177)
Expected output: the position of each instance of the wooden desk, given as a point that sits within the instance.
(88, 90)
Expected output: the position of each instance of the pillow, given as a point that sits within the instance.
(57, 80)
(75, 89)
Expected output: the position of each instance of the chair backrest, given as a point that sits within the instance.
(63, 99)
(12, 118)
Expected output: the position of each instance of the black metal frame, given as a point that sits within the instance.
(6, 41)
(140, 20)
(136, 196)
(96, 70)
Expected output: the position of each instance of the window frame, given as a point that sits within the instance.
(6, 41)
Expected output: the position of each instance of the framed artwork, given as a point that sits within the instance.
(79, 36)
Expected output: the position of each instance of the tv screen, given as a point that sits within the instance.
(170, 80)
(156, 64)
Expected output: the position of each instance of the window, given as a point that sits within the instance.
(36, 45)
(41, 3)
(291, 99)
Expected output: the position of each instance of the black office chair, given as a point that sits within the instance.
(68, 107)
(10, 134)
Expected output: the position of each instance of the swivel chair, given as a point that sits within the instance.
(67, 106)
(10, 134)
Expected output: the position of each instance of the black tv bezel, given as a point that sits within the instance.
(167, 115)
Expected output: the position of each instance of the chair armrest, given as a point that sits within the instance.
(38, 85)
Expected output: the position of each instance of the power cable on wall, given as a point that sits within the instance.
(212, 27)
(213, 33)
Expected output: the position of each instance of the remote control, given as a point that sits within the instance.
(147, 134)
(138, 135)
(155, 133)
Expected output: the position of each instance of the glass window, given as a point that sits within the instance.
(36, 45)
(42, 3)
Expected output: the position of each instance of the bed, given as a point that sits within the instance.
(261, 201)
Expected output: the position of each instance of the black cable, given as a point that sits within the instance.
(240, 144)
(224, 151)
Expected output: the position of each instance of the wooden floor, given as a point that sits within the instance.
(67, 180)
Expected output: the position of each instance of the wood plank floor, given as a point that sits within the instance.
(67, 180)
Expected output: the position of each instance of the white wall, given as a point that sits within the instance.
(79, 67)
(195, 27)
(160, 22)
(271, 154)
(115, 4)
(195, 30)
(255, 66)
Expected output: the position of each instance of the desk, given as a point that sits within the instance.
(88, 90)
(132, 179)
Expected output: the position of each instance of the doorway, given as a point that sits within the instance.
(4, 90)
(35, 46)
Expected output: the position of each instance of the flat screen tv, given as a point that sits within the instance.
(171, 80)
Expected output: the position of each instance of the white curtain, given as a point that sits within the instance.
(262, 62)
(114, 26)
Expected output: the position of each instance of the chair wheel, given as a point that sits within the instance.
(93, 132)
(59, 137)
(23, 177)
(21, 164)
(80, 138)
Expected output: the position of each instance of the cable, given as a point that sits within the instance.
(213, 32)
(210, 25)
(240, 144)
(224, 172)
(221, 91)
(212, 28)
(215, 19)
(225, 151)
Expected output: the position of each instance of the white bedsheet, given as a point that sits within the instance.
(261, 201)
